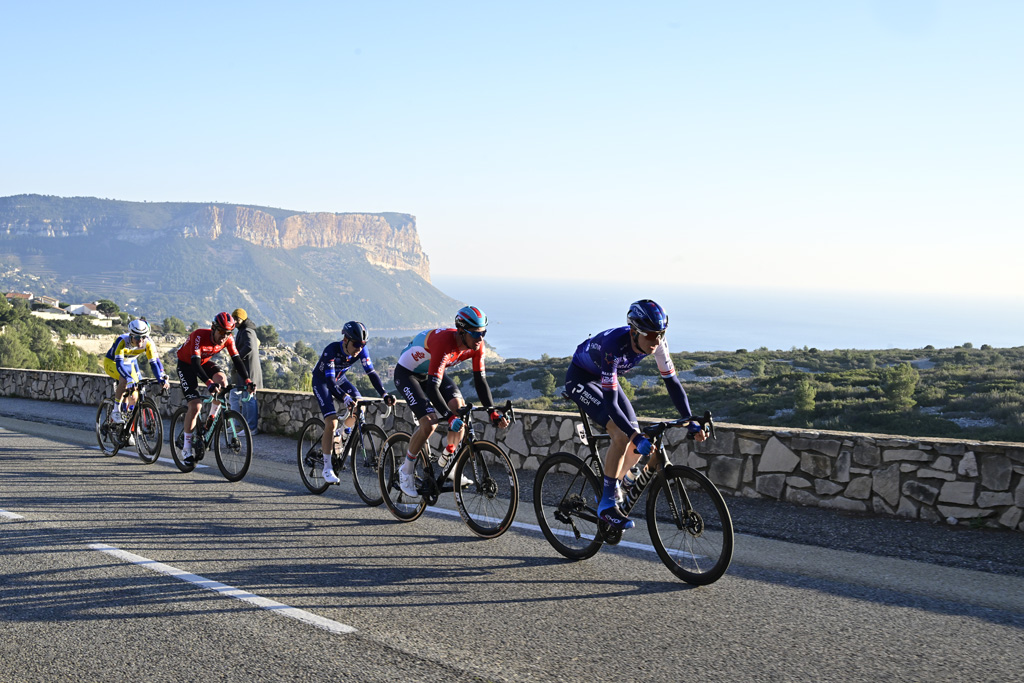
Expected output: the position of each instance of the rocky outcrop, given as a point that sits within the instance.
(389, 240)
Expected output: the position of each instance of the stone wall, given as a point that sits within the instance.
(958, 481)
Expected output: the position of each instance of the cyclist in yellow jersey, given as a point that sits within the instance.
(121, 363)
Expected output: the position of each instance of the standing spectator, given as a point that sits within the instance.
(249, 349)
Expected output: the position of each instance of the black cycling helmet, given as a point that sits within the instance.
(647, 316)
(355, 333)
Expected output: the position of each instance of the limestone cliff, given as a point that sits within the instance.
(389, 240)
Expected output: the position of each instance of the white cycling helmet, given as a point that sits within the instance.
(138, 328)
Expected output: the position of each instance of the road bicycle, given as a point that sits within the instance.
(143, 425)
(487, 489)
(362, 448)
(687, 518)
(219, 427)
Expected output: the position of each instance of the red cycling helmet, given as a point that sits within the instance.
(224, 321)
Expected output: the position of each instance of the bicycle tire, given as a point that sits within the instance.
(365, 453)
(565, 497)
(486, 489)
(177, 439)
(690, 525)
(310, 457)
(106, 429)
(149, 431)
(232, 445)
(404, 508)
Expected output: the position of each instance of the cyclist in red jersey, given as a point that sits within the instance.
(432, 396)
(195, 366)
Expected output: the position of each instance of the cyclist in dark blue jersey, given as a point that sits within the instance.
(592, 382)
(329, 382)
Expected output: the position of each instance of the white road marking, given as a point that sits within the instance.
(10, 515)
(224, 589)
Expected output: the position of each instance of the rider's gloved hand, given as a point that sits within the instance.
(693, 429)
(211, 387)
(643, 444)
(495, 417)
(389, 400)
(250, 386)
(454, 423)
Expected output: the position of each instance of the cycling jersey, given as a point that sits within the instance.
(610, 353)
(426, 358)
(200, 345)
(430, 352)
(194, 363)
(122, 356)
(334, 363)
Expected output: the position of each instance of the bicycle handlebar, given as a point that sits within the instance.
(508, 412)
(655, 430)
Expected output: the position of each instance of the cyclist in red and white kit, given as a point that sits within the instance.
(195, 366)
(432, 396)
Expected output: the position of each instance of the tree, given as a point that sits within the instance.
(545, 383)
(174, 325)
(14, 353)
(805, 393)
(267, 335)
(108, 308)
(899, 383)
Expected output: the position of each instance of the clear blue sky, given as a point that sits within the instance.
(815, 145)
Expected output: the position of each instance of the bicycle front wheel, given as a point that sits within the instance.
(565, 497)
(107, 430)
(310, 456)
(486, 489)
(690, 525)
(365, 450)
(233, 446)
(404, 508)
(178, 439)
(149, 432)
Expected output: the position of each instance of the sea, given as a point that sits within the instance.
(532, 318)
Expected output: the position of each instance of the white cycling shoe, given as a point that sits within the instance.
(466, 481)
(407, 483)
(330, 477)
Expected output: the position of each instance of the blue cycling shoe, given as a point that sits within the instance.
(616, 517)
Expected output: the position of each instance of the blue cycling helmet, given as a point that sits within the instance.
(647, 316)
(355, 332)
(470, 316)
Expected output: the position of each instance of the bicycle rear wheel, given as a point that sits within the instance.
(690, 525)
(310, 456)
(404, 508)
(107, 430)
(366, 449)
(177, 439)
(565, 497)
(486, 489)
(149, 432)
(233, 446)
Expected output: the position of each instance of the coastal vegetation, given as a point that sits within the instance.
(959, 392)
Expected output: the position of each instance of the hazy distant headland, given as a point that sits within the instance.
(299, 271)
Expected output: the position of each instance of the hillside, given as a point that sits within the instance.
(302, 272)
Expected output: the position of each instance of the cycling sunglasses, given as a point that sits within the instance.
(652, 337)
(476, 334)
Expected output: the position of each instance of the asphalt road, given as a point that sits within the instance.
(114, 570)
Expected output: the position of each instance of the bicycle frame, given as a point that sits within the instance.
(468, 439)
(650, 466)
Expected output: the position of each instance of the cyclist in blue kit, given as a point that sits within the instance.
(329, 382)
(592, 381)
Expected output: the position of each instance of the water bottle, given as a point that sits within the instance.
(446, 455)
